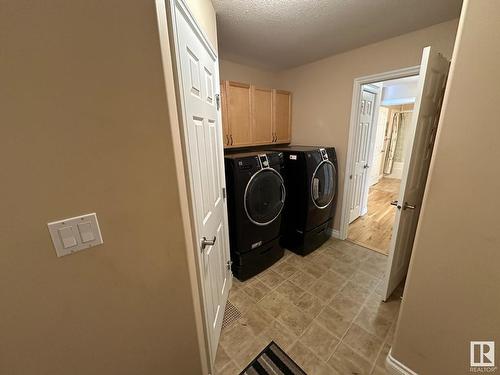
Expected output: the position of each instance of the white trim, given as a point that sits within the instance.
(397, 368)
(356, 92)
(334, 233)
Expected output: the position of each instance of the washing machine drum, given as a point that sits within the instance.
(323, 184)
(264, 196)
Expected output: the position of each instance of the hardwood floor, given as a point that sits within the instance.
(374, 229)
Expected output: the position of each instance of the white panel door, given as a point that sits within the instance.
(361, 151)
(199, 88)
(421, 136)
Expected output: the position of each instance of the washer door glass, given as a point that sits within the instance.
(264, 196)
(323, 184)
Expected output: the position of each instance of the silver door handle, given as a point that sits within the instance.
(205, 242)
(396, 203)
(409, 206)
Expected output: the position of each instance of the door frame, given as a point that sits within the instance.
(165, 10)
(356, 95)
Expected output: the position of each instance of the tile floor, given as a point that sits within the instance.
(324, 310)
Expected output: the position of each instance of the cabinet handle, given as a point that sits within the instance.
(231, 139)
(227, 139)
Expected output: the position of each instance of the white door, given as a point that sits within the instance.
(198, 69)
(421, 136)
(378, 151)
(360, 166)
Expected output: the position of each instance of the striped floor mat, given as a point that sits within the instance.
(273, 361)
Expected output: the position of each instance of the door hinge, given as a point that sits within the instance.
(224, 192)
(217, 101)
(229, 265)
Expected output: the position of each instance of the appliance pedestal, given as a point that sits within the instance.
(251, 263)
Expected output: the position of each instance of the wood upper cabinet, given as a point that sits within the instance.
(282, 123)
(253, 116)
(262, 115)
(239, 113)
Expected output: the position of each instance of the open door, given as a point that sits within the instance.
(198, 71)
(430, 92)
(359, 173)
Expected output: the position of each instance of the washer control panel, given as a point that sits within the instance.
(264, 162)
(324, 154)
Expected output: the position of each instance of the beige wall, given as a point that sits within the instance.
(242, 73)
(85, 128)
(204, 13)
(451, 295)
(322, 91)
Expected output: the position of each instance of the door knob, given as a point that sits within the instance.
(408, 206)
(396, 203)
(205, 242)
(366, 166)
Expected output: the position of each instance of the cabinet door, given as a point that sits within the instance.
(239, 114)
(262, 119)
(282, 116)
(225, 120)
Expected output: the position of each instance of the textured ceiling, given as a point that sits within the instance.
(278, 34)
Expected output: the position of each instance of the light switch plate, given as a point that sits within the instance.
(75, 234)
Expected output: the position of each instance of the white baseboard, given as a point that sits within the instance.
(397, 368)
(335, 233)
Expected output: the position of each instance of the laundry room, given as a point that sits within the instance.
(315, 146)
(249, 187)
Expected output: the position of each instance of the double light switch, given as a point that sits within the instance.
(75, 234)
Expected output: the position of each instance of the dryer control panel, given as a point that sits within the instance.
(324, 154)
(263, 161)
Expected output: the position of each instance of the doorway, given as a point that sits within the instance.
(413, 151)
(376, 184)
(388, 143)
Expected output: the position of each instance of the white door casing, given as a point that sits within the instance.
(419, 147)
(199, 88)
(359, 172)
(353, 124)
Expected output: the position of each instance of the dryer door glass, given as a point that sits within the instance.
(264, 196)
(323, 184)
